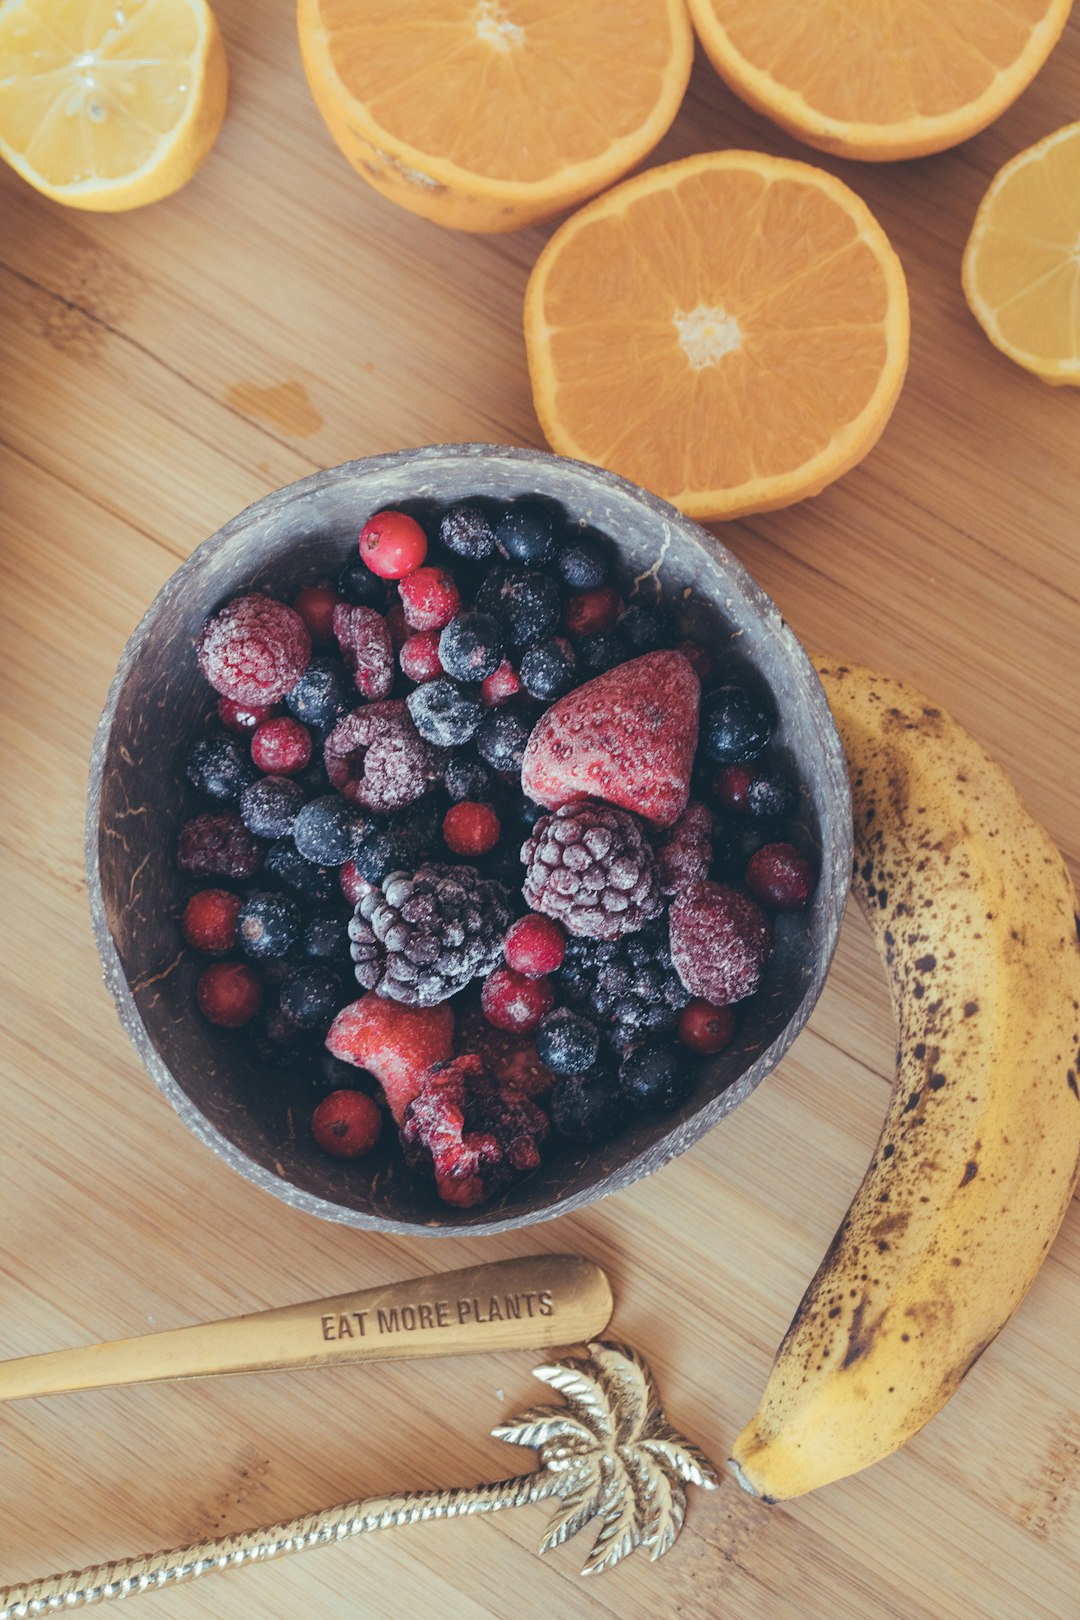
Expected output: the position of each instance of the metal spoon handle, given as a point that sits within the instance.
(528, 1303)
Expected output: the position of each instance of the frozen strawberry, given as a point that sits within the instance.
(366, 647)
(512, 1059)
(395, 1043)
(627, 736)
(471, 1132)
(254, 650)
(685, 854)
(720, 942)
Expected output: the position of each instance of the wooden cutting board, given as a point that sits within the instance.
(161, 370)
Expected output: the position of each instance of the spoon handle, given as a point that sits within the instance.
(527, 1303)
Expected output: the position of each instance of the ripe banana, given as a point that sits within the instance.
(973, 911)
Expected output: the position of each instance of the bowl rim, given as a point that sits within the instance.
(646, 1160)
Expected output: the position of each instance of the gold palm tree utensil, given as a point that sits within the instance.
(608, 1453)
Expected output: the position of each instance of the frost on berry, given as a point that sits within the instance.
(685, 855)
(512, 1059)
(421, 937)
(376, 757)
(591, 868)
(254, 650)
(364, 639)
(720, 942)
(473, 1134)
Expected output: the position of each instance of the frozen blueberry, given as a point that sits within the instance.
(598, 653)
(735, 724)
(772, 793)
(443, 714)
(326, 936)
(220, 766)
(311, 997)
(270, 806)
(583, 561)
(267, 925)
(653, 1076)
(329, 831)
(471, 646)
(466, 532)
(566, 1042)
(358, 585)
(502, 737)
(526, 604)
(588, 1107)
(468, 778)
(303, 877)
(548, 669)
(385, 852)
(645, 629)
(526, 532)
(322, 695)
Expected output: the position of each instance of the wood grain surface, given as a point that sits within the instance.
(160, 370)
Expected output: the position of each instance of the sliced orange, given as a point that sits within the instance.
(490, 114)
(879, 79)
(1021, 269)
(730, 331)
(109, 104)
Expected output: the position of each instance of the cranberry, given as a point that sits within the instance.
(731, 785)
(500, 686)
(392, 544)
(705, 1028)
(282, 746)
(419, 657)
(470, 828)
(511, 1001)
(315, 605)
(697, 658)
(780, 877)
(347, 1124)
(242, 716)
(209, 921)
(229, 994)
(430, 598)
(590, 611)
(354, 885)
(535, 945)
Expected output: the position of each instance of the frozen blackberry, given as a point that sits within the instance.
(358, 585)
(313, 882)
(326, 936)
(268, 925)
(598, 653)
(590, 866)
(322, 694)
(584, 561)
(468, 778)
(629, 986)
(311, 997)
(220, 767)
(421, 937)
(218, 846)
(386, 851)
(548, 669)
(736, 724)
(567, 1042)
(443, 714)
(527, 604)
(328, 831)
(655, 1076)
(588, 1108)
(270, 806)
(501, 739)
(645, 629)
(526, 532)
(466, 532)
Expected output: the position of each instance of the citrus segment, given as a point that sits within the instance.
(883, 79)
(1021, 270)
(491, 114)
(109, 104)
(730, 331)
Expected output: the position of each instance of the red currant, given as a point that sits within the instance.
(242, 716)
(229, 994)
(430, 598)
(354, 885)
(501, 686)
(780, 877)
(315, 605)
(347, 1124)
(282, 746)
(419, 657)
(209, 921)
(705, 1028)
(470, 828)
(593, 610)
(392, 544)
(535, 945)
(511, 1001)
(731, 784)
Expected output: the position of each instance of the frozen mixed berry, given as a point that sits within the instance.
(535, 945)
(395, 1043)
(780, 877)
(466, 532)
(354, 885)
(470, 829)
(282, 746)
(397, 626)
(599, 652)
(358, 585)
(471, 646)
(731, 787)
(654, 1076)
(270, 806)
(566, 1042)
(347, 1124)
(583, 561)
(705, 1028)
(419, 657)
(229, 994)
(326, 936)
(527, 532)
(468, 778)
(254, 650)
(430, 598)
(209, 921)
(218, 846)
(315, 605)
(322, 694)
(501, 739)
(220, 767)
(386, 850)
(684, 855)
(474, 1134)
(591, 867)
(364, 638)
(721, 942)
(644, 629)
(311, 996)
(525, 603)
(736, 724)
(588, 612)
(328, 831)
(588, 1108)
(392, 544)
(698, 659)
(268, 925)
(422, 937)
(500, 686)
(548, 669)
(512, 1059)
(242, 716)
(376, 757)
(628, 986)
(288, 867)
(515, 1002)
(443, 714)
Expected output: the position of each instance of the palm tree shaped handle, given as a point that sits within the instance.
(608, 1453)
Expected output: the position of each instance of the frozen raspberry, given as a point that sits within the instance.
(419, 657)
(780, 877)
(242, 716)
(500, 686)
(535, 945)
(628, 737)
(229, 994)
(395, 1043)
(587, 612)
(398, 628)
(281, 747)
(514, 1002)
(590, 867)
(698, 659)
(686, 852)
(364, 639)
(392, 544)
(354, 885)
(254, 650)
(218, 846)
(270, 806)
(512, 1059)
(473, 1133)
(376, 757)
(720, 942)
(347, 1124)
(315, 605)
(430, 598)
(705, 1028)
(470, 829)
(209, 921)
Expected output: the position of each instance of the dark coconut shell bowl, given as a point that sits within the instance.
(139, 797)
